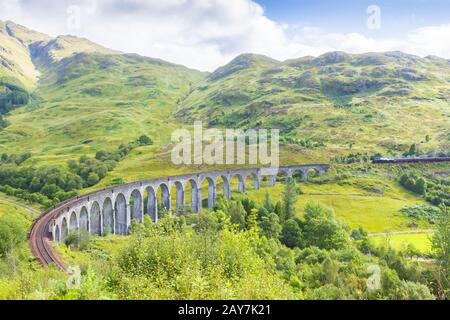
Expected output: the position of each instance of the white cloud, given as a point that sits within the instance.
(204, 34)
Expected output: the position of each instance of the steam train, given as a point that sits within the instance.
(411, 160)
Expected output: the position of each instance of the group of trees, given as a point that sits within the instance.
(353, 158)
(242, 240)
(46, 185)
(93, 170)
(413, 182)
(243, 249)
(49, 185)
(279, 221)
(434, 190)
(305, 143)
(441, 247)
(11, 95)
(17, 159)
(3, 123)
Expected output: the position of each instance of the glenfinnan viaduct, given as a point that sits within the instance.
(112, 210)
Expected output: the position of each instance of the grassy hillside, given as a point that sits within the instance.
(98, 100)
(88, 96)
(357, 201)
(382, 102)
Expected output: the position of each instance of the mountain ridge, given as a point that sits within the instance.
(330, 101)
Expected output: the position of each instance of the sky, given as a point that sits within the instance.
(206, 34)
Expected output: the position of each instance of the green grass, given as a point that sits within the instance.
(15, 211)
(420, 241)
(354, 204)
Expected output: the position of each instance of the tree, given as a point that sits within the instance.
(251, 219)
(278, 210)
(268, 205)
(289, 199)
(93, 179)
(412, 150)
(206, 222)
(145, 141)
(321, 229)
(50, 190)
(237, 214)
(270, 226)
(421, 186)
(12, 233)
(441, 250)
(291, 234)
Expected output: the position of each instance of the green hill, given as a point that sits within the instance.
(89, 96)
(375, 101)
(65, 97)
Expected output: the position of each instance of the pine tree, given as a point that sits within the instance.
(251, 219)
(268, 205)
(289, 199)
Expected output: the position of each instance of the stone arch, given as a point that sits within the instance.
(73, 221)
(252, 181)
(226, 188)
(165, 196)
(211, 191)
(151, 203)
(64, 229)
(179, 196)
(282, 176)
(84, 219)
(299, 175)
(136, 206)
(108, 216)
(120, 216)
(195, 200)
(96, 221)
(57, 234)
(311, 173)
(240, 182)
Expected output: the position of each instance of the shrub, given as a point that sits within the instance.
(12, 233)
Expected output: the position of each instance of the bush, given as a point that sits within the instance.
(291, 234)
(73, 239)
(321, 229)
(145, 141)
(12, 233)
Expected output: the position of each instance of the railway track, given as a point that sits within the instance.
(40, 241)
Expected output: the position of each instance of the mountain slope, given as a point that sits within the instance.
(25, 54)
(89, 97)
(384, 101)
(84, 97)
(15, 60)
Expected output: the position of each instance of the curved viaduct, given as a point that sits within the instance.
(111, 210)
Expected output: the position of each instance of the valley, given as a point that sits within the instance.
(76, 117)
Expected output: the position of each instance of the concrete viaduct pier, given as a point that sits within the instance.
(111, 210)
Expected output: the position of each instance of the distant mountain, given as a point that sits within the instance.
(76, 91)
(383, 99)
(63, 96)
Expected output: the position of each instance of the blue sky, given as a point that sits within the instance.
(205, 34)
(398, 16)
